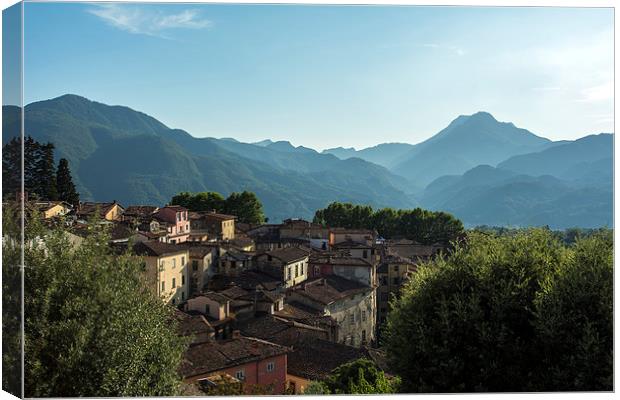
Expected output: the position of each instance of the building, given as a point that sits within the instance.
(232, 262)
(176, 222)
(193, 326)
(355, 269)
(290, 265)
(214, 225)
(138, 214)
(202, 265)
(351, 304)
(166, 269)
(107, 211)
(314, 360)
(355, 249)
(392, 273)
(250, 360)
(412, 250)
(216, 308)
(366, 236)
(50, 209)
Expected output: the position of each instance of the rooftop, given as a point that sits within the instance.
(210, 357)
(329, 289)
(156, 248)
(289, 254)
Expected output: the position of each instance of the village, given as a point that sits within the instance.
(270, 306)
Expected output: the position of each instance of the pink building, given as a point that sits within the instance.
(252, 361)
(176, 221)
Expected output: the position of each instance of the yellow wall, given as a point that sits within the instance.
(166, 273)
(300, 383)
(114, 213)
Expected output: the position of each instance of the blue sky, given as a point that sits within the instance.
(326, 76)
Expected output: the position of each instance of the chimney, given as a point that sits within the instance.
(236, 334)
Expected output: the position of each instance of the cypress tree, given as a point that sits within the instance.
(11, 168)
(64, 184)
(46, 173)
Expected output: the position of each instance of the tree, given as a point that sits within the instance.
(46, 173)
(246, 207)
(11, 168)
(360, 377)
(64, 184)
(423, 226)
(92, 326)
(316, 388)
(510, 313)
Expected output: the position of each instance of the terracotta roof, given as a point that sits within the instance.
(350, 244)
(298, 311)
(156, 248)
(316, 359)
(89, 208)
(121, 231)
(289, 254)
(329, 289)
(234, 292)
(140, 211)
(339, 260)
(209, 357)
(280, 331)
(249, 280)
(217, 297)
(237, 255)
(191, 324)
(353, 231)
(223, 217)
(175, 207)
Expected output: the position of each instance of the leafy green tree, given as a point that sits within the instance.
(497, 314)
(246, 207)
(64, 184)
(427, 227)
(360, 377)
(316, 388)
(207, 201)
(93, 327)
(11, 298)
(574, 319)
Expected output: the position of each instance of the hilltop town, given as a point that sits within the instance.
(267, 305)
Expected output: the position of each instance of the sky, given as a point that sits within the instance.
(328, 76)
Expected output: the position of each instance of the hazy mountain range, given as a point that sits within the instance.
(482, 170)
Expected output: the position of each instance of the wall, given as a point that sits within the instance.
(216, 310)
(174, 267)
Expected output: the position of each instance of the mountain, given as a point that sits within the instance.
(577, 160)
(486, 195)
(263, 143)
(119, 153)
(467, 142)
(383, 154)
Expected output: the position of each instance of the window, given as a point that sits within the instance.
(317, 270)
(161, 265)
(363, 336)
(195, 265)
(271, 367)
(174, 262)
(302, 268)
(240, 375)
(174, 301)
(363, 315)
(182, 295)
(288, 274)
(174, 283)
(163, 286)
(182, 279)
(396, 268)
(365, 254)
(296, 270)
(182, 260)
(269, 258)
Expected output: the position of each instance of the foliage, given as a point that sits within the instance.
(228, 386)
(511, 313)
(359, 377)
(92, 326)
(65, 185)
(427, 227)
(11, 299)
(245, 205)
(40, 174)
(316, 388)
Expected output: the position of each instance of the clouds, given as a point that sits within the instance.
(457, 50)
(603, 92)
(147, 20)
